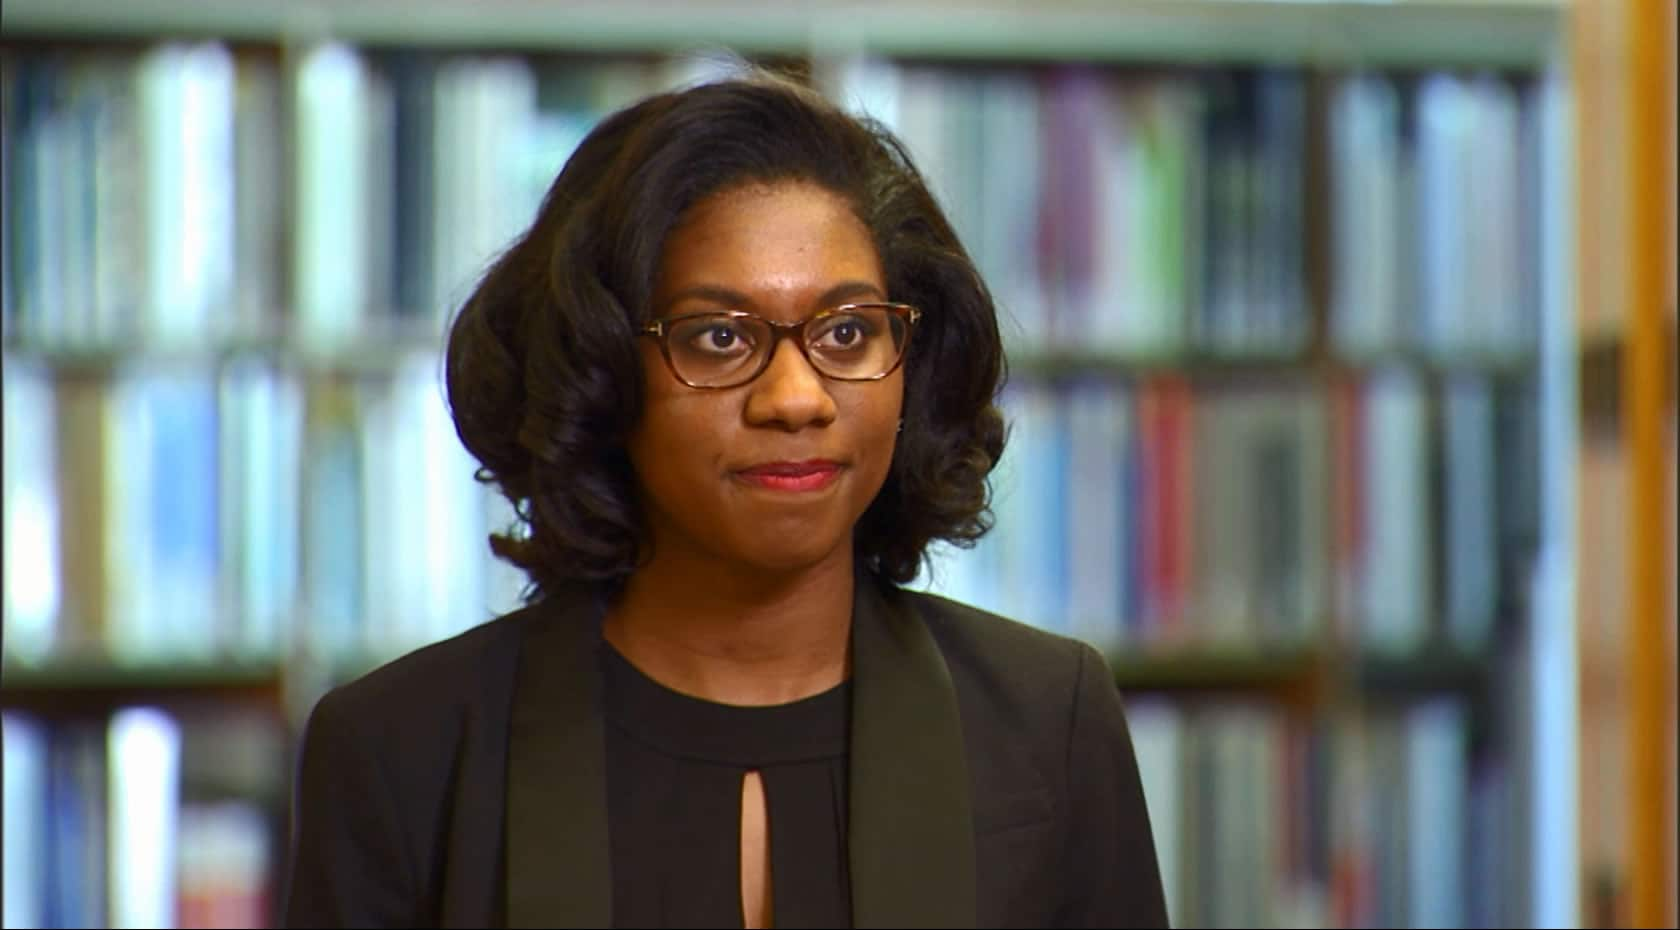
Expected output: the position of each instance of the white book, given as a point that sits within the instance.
(1398, 575)
(144, 797)
(1494, 176)
(330, 241)
(454, 519)
(1364, 190)
(186, 101)
(26, 829)
(1437, 804)
(1034, 589)
(1097, 420)
(484, 110)
(1157, 729)
(163, 550)
(31, 564)
(334, 570)
(1444, 203)
(261, 470)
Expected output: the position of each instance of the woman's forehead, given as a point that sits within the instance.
(793, 242)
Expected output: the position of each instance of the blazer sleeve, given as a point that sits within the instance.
(348, 865)
(1114, 878)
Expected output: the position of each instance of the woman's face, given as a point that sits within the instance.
(771, 475)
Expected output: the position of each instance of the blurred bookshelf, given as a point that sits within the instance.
(1280, 291)
(1432, 32)
(95, 689)
(1625, 462)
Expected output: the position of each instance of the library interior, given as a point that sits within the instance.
(1341, 394)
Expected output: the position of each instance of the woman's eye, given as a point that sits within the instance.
(718, 338)
(843, 334)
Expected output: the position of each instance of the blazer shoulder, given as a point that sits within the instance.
(464, 669)
(991, 642)
(1010, 677)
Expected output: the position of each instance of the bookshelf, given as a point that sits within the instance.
(1625, 317)
(1478, 32)
(1340, 685)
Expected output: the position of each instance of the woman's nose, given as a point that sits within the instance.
(790, 393)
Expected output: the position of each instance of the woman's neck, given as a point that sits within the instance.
(733, 637)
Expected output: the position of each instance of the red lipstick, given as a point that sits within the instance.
(810, 475)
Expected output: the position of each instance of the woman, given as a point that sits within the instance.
(735, 378)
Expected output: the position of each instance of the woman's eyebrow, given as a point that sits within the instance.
(711, 292)
(839, 293)
(849, 290)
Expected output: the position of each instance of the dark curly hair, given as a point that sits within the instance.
(544, 378)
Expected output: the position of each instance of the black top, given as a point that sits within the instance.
(674, 769)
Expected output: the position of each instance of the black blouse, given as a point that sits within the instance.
(674, 770)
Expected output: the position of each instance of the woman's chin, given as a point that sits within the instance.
(794, 553)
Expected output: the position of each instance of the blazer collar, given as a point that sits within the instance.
(559, 870)
(911, 836)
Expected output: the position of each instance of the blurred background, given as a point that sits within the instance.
(1342, 385)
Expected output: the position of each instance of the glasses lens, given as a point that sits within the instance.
(856, 343)
(716, 349)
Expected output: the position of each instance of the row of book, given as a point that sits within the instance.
(1163, 511)
(245, 508)
(241, 510)
(117, 823)
(187, 192)
(1381, 817)
(1437, 203)
(149, 194)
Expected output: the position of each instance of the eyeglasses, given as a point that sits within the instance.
(728, 348)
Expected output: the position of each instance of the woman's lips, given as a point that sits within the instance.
(792, 476)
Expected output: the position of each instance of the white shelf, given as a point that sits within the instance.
(1334, 32)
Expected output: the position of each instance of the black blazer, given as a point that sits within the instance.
(993, 781)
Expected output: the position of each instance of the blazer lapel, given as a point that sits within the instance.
(558, 866)
(911, 833)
